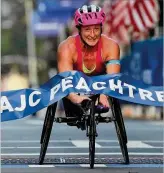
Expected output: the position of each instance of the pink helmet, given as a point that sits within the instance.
(89, 15)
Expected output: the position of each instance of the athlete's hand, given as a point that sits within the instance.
(76, 98)
(104, 101)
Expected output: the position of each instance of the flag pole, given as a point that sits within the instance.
(31, 45)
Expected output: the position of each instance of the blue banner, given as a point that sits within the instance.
(44, 28)
(145, 62)
(49, 14)
(49, 6)
(21, 103)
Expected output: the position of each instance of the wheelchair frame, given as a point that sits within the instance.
(90, 121)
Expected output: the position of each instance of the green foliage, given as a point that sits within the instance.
(6, 47)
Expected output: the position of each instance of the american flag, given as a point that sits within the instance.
(131, 19)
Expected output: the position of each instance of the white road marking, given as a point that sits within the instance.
(81, 154)
(99, 140)
(83, 144)
(138, 144)
(36, 122)
(158, 123)
(95, 165)
(41, 166)
(72, 147)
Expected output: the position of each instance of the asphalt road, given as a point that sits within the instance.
(68, 148)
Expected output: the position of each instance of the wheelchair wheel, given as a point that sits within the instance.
(92, 135)
(123, 145)
(120, 129)
(119, 118)
(45, 124)
(49, 119)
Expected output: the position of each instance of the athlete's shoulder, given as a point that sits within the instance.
(108, 40)
(109, 44)
(68, 43)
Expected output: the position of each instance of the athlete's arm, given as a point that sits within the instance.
(65, 63)
(113, 58)
(112, 64)
(64, 59)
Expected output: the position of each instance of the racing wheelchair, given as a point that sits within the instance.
(86, 116)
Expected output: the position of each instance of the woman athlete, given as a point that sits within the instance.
(90, 52)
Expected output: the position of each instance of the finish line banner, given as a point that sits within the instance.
(17, 104)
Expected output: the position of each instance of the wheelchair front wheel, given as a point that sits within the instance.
(119, 118)
(47, 131)
(45, 124)
(123, 145)
(120, 129)
(92, 135)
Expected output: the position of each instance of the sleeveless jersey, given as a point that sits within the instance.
(99, 68)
